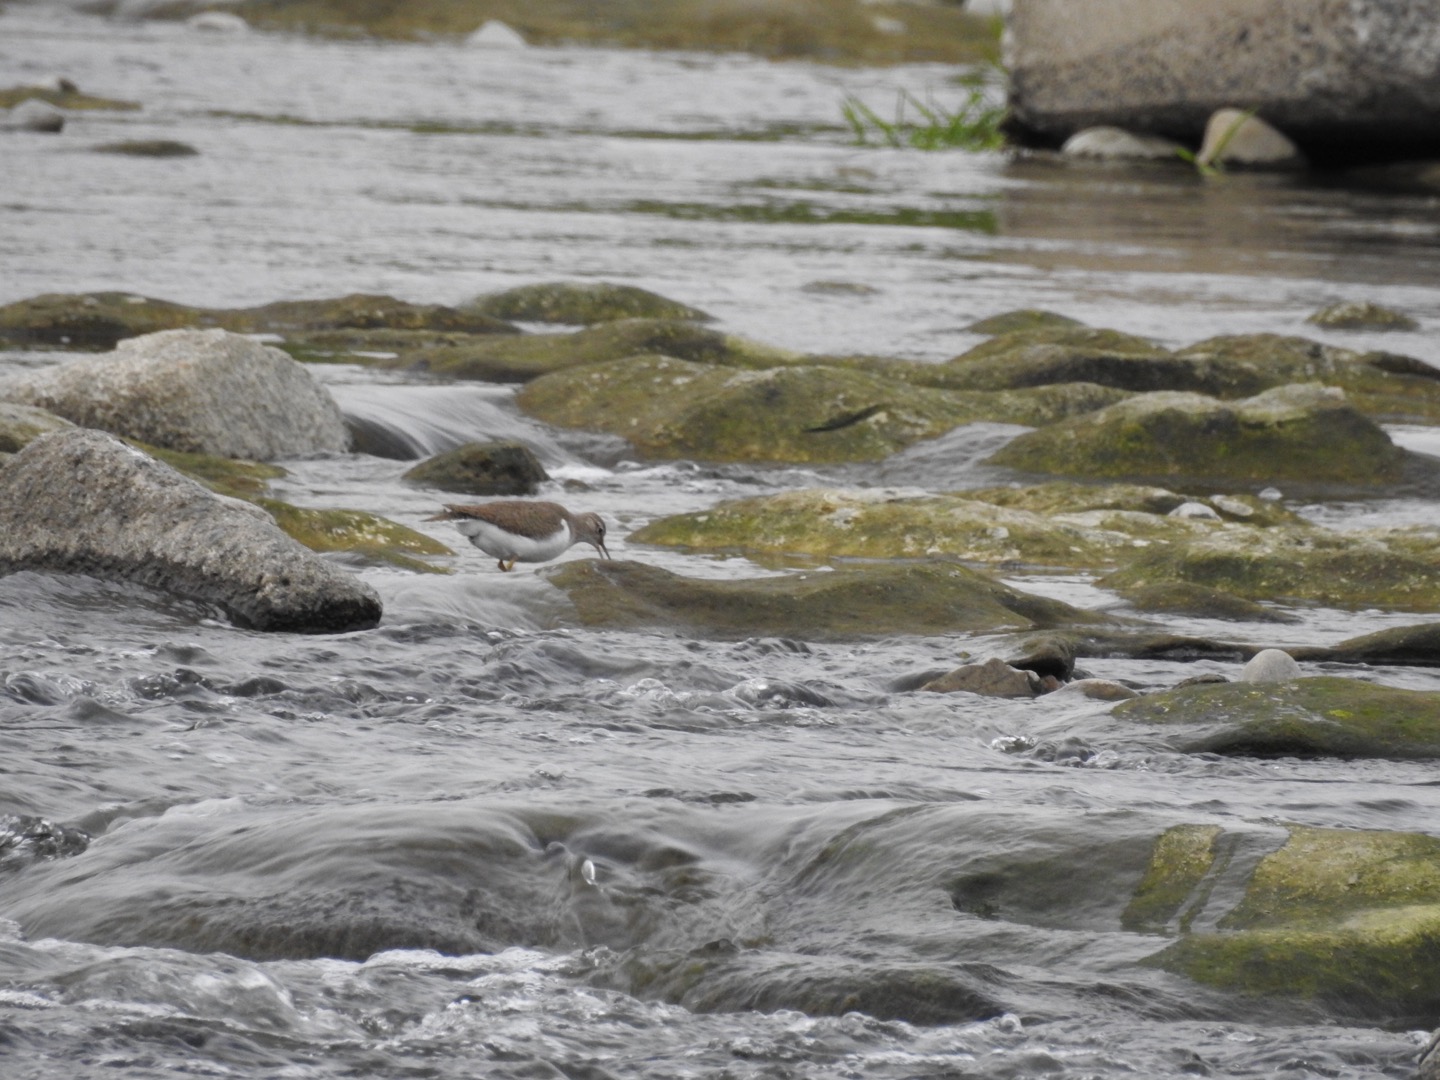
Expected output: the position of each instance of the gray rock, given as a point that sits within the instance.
(1097, 690)
(1117, 144)
(34, 115)
(1346, 81)
(1270, 665)
(493, 468)
(1233, 137)
(83, 502)
(200, 391)
(993, 678)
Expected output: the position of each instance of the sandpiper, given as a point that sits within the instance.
(517, 530)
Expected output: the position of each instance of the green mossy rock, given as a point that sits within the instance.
(366, 536)
(581, 304)
(1179, 862)
(1025, 319)
(667, 407)
(1419, 645)
(1384, 386)
(1345, 570)
(1200, 601)
(857, 602)
(1068, 497)
(21, 423)
(63, 99)
(1290, 434)
(524, 357)
(490, 468)
(1312, 717)
(1362, 315)
(879, 524)
(99, 320)
(832, 32)
(1347, 919)
(236, 477)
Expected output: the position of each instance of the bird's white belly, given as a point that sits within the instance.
(496, 542)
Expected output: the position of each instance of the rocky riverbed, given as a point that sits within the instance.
(1018, 656)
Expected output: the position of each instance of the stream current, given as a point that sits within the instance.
(480, 840)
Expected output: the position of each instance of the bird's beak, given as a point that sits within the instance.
(600, 547)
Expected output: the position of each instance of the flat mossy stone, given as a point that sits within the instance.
(855, 602)
(1078, 337)
(1418, 645)
(1069, 497)
(1024, 319)
(481, 468)
(1289, 564)
(1200, 602)
(1325, 716)
(21, 423)
(358, 533)
(63, 99)
(236, 477)
(581, 304)
(1348, 919)
(1304, 433)
(1362, 315)
(667, 408)
(881, 524)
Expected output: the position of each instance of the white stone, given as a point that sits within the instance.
(1117, 144)
(494, 34)
(1194, 510)
(1234, 138)
(1270, 665)
(218, 22)
(1232, 506)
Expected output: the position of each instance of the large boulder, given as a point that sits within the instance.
(857, 602)
(21, 423)
(1299, 433)
(1345, 81)
(83, 502)
(201, 391)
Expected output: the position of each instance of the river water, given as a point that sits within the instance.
(482, 841)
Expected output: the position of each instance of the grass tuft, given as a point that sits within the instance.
(974, 125)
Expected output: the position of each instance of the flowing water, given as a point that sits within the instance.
(482, 841)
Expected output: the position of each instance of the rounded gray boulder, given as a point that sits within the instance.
(83, 502)
(199, 391)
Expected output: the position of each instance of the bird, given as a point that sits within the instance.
(518, 530)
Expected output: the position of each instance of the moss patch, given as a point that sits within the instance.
(1181, 858)
(581, 304)
(357, 532)
(63, 99)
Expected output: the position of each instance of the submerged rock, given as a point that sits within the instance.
(1322, 716)
(490, 468)
(151, 148)
(83, 502)
(1292, 433)
(1418, 645)
(1342, 918)
(871, 601)
(62, 94)
(33, 115)
(1199, 601)
(993, 678)
(201, 391)
(1362, 315)
(581, 304)
(1023, 319)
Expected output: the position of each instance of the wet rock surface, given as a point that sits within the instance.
(581, 304)
(489, 468)
(82, 502)
(200, 391)
(826, 605)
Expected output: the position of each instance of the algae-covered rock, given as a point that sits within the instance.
(869, 601)
(1068, 497)
(1322, 716)
(1304, 433)
(358, 533)
(21, 423)
(1199, 601)
(1024, 319)
(993, 678)
(1288, 564)
(877, 523)
(1418, 645)
(581, 304)
(1362, 315)
(149, 148)
(1347, 919)
(1180, 861)
(64, 95)
(100, 320)
(489, 468)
